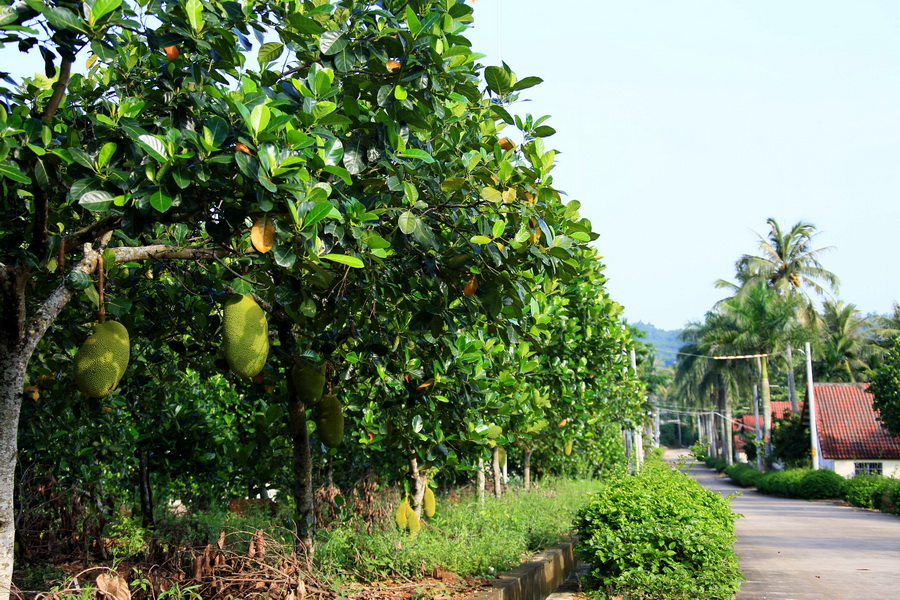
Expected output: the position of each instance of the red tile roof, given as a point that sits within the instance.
(848, 426)
(780, 409)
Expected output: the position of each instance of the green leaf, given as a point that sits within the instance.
(400, 93)
(344, 60)
(259, 118)
(78, 280)
(270, 51)
(491, 194)
(285, 257)
(480, 239)
(497, 230)
(317, 213)
(417, 154)
(60, 18)
(350, 261)
(161, 201)
(118, 306)
(526, 83)
(323, 108)
(412, 21)
(332, 42)
(340, 172)
(41, 175)
(498, 80)
(101, 8)
(334, 151)
(10, 171)
(354, 159)
(106, 153)
(453, 184)
(96, 200)
(407, 222)
(194, 9)
(153, 146)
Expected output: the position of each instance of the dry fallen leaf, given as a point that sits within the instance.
(114, 587)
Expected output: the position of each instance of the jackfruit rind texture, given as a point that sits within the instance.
(246, 342)
(568, 449)
(309, 381)
(102, 359)
(428, 502)
(330, 421)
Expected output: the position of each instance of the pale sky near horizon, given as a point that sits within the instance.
(684, 125)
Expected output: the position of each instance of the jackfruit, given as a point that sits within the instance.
(568, 448)
(102, 359)
(402, 514)
(330, 421)
(428, 502)
(246, 342)
(413, 522)
(309, 381)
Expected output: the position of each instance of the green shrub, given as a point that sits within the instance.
(820, 484)
(743, 474)
(782, 483)
(888, 498)
(718, 464)
(659, 534)
(864, 490)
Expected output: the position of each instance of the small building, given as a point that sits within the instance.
(781, 409)
(851, 439)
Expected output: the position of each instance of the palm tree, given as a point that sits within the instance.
(762, 322)
(788, 264)
(846, 343)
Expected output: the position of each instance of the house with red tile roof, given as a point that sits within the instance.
(747, 423)
(851, 439)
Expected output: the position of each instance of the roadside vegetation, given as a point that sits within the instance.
(659, 534)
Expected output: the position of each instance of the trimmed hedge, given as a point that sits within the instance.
(820, 485)
(718, 464)
(781, 483)
(743, 474)
(873, 491)
(659, 534)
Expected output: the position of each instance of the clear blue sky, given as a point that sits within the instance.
(684, 125)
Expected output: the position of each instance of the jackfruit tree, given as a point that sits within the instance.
(370, 210)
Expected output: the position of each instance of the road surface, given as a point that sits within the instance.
(796, 549)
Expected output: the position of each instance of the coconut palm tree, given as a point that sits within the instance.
(788, 264)
(846, 343)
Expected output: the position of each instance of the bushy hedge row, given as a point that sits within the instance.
(659, 534)
(718, 464)
(866, 491)
(743, 474)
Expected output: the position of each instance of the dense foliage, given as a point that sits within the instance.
(659, 534)
(885, 389)
(341, 162)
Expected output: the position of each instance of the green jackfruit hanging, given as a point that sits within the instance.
(568, 448)
(246, 342)
(330, 421)
(402, 514)
(428, 502)
(309, 381)
(102, 359)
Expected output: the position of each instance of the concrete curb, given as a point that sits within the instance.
(535, 579)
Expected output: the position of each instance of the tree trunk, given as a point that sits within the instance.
(479, 478)
(12, 380)
(144, 490)
(766, 405)
(302, 486)
(792, 391)
(495, 470)
(526, 467)
(729, 429)
(417, 485)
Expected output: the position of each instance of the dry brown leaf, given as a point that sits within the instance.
(114, 587)
(262, 235)
(221, 542)
(471, 287)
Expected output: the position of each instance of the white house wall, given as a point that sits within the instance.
(890, 468)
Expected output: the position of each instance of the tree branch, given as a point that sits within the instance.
(93, 231)
(160, 252)
(59, 89)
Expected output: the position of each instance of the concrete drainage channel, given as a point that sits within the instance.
(536, 579)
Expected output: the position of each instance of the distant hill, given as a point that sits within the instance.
(665, 341)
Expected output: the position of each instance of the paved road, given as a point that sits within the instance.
(794, 549)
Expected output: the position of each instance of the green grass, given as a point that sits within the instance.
(466, 538)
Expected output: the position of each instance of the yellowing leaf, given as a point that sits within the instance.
(263, 234)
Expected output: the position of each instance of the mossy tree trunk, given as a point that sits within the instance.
(302, 486)
(479, 479)
(416, 485)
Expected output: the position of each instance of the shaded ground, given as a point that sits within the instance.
(797, 549)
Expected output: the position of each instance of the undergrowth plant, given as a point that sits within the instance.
(659, 534)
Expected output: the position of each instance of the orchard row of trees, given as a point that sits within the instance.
(399, 241)
(773, 312)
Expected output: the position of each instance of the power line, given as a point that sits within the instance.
(723, 357)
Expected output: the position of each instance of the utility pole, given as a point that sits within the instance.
(758, 431)
(813, 429)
